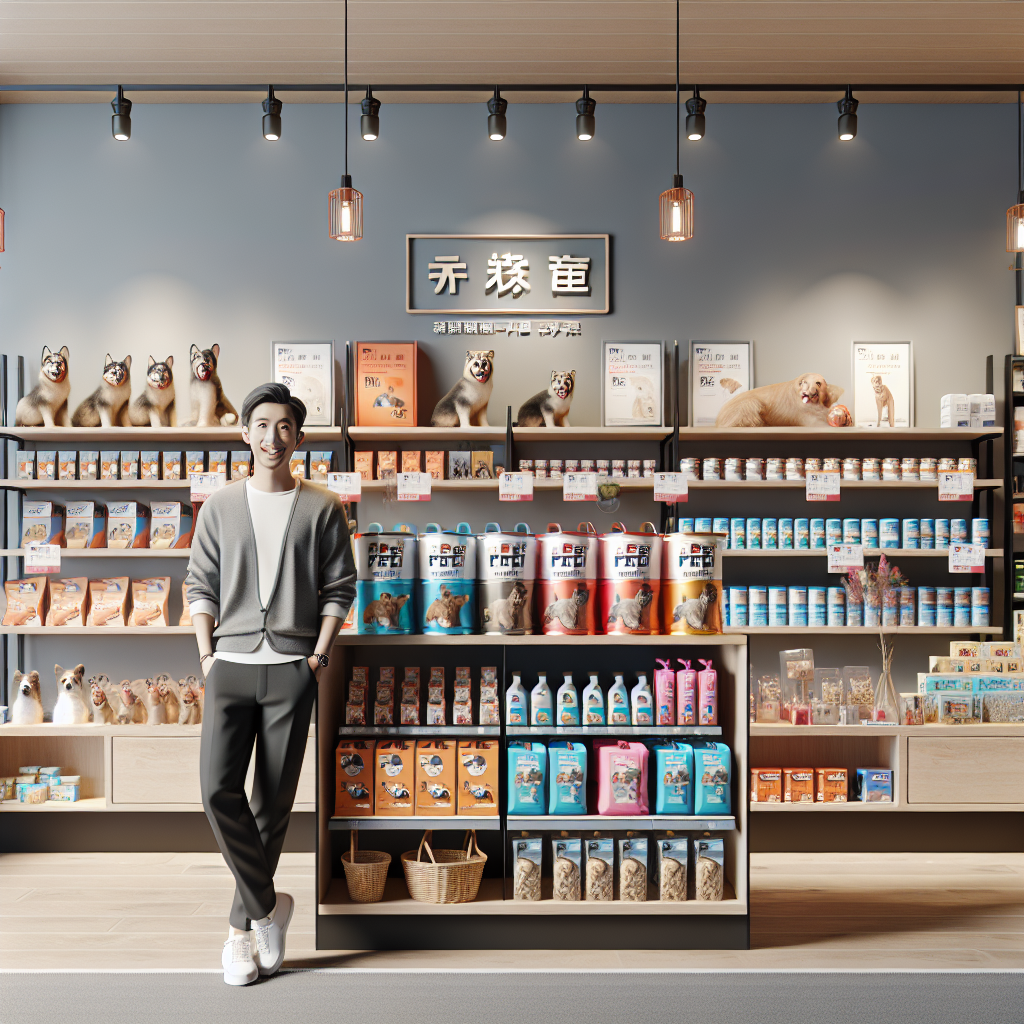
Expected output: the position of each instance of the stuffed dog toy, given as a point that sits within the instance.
(804, 402)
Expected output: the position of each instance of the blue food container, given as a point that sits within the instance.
(737, 534)
(980, 599)
(941, 533)
(980, 533)
(703, 524)
(926, 606)
(527, 769)
(797, 599)
(757, 605)
(837, 607)
(911, 534)
(817, 606)
(873, 785)
(801, 534)
(720, 524)
(869, 533)
(777, 605)
(817, 533)
(888, 533)
(851, 531)
(568, 774)
(834, 532)
(786, 534)
(673, 764)
(943, 606)
(385, 580)
(854, 613)
(738, 614)
(754, 533)
(769, 534)
(927, 534)
(712, 784)
(447, 564)
(686, 526)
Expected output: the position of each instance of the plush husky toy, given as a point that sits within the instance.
(107, 406)
(466, 404)
(28, 705)
(47, 403)
(549, 408)
(153, 407)
(71, 708)
(210, 407)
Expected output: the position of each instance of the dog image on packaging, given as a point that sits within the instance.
(42, 522)
(712, 771)
(86, 524)
(26, 602)
(394, 777)
(150, 601)
(127, 525)
(435, 776)
(353, 777)
(69, 602)
(108, 601)
(477, 777)
(527, 767)
(170, 524)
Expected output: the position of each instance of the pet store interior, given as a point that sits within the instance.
(620, 717)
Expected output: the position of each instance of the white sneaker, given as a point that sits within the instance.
(239, 966)
(270, 934)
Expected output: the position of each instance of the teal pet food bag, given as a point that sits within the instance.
(674, 778)
(712, 783)
(527, 766)
(568, 790)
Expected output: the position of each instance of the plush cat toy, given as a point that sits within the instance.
(210, 407)
(549, 408)
(466, 404)
(47, 403)
(107, 406)
(153, 407)
(71, 708)
(28, 705)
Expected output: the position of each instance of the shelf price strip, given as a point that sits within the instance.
(414, 487)
(579, 487)
(966, 557)
(822, 486)
(515, 487)
(956, 486)
(670, 487)
(348, 486)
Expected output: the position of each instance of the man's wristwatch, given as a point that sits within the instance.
(323, 659)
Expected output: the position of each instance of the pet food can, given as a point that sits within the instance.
(587, 466)
(757, 599)
(633, 469)
(540, 468)
(929, 469)
(812, 465)
(854, 613)
(908, 606)
(691, 582)
(703, 524)
(890, 469)
(958, 531)
(769, 534)
(888, 533)
(725, 606)
(604, 467)
(817, 533)
(629, 570)
(817, 606)
(526, 465)
(891, 609)
(851, 531)
(967, 466)
(737, 534)
(650, 465)
(566, 586)
(961, 606)
(980, 598)
(777, 606)
(911, 534)
(618, 467)
(851, 469)
(686, 526)
(711, 469)
(869, 533)
(385, 580)
(832, 465)
(720, 524)
(754, 534)
(947, 466)
(801, 534)
(447, 561)
(506, 565)
(926, 606)
(944, 606)
(734, 469)
(754, 469)
(910, 469)
(572, 465)
(690, 468)
(836, 607)
(797, 605)
(786, 534)
(775, 469)
(942, 533)
(794, 469)
(980, 532)
(833, 532)
(556, 467)
(871, 469)
(738, 611)
(927, 532)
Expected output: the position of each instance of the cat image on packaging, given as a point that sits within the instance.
(707, 682)
(673, 778)
(171, 525)
(477, 777)
(527, 767)
(712, 766)
(686, 694)
(394, 777)
(567, 702)
(641, 702)
(593, 703)
(515, 702)
(354, 779)
(85, 524)
(541, 705)
(435, 777)
(42, 522)
(664, 693)
(127, 525)
(568, 772)
(618, 702)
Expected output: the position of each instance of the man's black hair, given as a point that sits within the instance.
(275, 394)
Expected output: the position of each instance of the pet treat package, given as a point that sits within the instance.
(171, 524)
(873, 785)
(568, 773)
(363, 464)
(477, 777)
(394, 777)
(691, 582)
(219, 462)
(435, 776)
(412, 462)
(353, 779)
(709, 869)
(88, 465)
(384, 698)
(527, 856)
(633, 862)
(600, 869)
(798, 785)
(766, 785)
(385, 383)
(67, 465)
(149, 465)
(527, 765)
(319, 465)
(46, 465)
(64, 792)
(567, 566)
(26, 466)
(664, 693)
(630, 580)
(385, 580)
(387, 464)
(240, 465)
(459, 465)
(171, 465)
(567, 868)
(673, 773)
(672, 853)
(108, 601)
(297, 465)
(409, 709)
(436, 704)
(831, 785)
(712, 767)
(26, 602)
(435, 465)
(85, 524)
(42, 522)
(447, 580)
(69, 602)
(129, 465)
(127, 525)
(481, 465)
(110, 465)
(355, 707)
(462, 705)
(150, 601)
(490, 709)
(186, 612)
(622, 777)
(195, 462)
(505, 569)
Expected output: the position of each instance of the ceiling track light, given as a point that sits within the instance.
(675, 205)
(121, 122)
(695, 107)
(345, 204)
(1014, 215)
(369, 123)
(586, 123)
(847, 117)
(272, 116)
(496, 122)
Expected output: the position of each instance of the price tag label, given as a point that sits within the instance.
(845, 556)
(348, 486)
(579, 487)
(203, 485)
(670, 487)
(515, 487)
(42, 558)
(966, 558)
(956, 486)
(414, 487)
(822, 486)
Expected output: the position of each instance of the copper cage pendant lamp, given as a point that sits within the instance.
(676, 204)
(1015, 214)
(345, 204)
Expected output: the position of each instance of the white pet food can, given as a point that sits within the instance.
(711, 469)
(817, 606)
(836, 606)
(734, 469)
(690, 468)
(851, 469)
(757, 605)
(775, 469)
(754, 469)
(812, 465)
(910, 469)
(871, 469)
(929, 469)
(778, 603)
(961, 606)
(794, 469)
(944, 606)
(890, 469)
(980, 597)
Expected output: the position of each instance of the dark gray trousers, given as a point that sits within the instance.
(269, 705)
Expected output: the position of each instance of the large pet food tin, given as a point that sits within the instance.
(980, 600)
(506, 565)
(567, 580)
(629, 571)
(385, 580)
(691, 579)
(757, 605)
(447, 563)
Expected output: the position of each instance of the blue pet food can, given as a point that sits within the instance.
(911, 534)
(854, 613)
(757, 605)
(961, 606)
(908, 606)
(958, 530)
(980, 600)
(769, 534)
(980, 533)
(942, 533)
(738, 609)
(836, 607)
(833, 532)
(888, 533)
(720, 524)
(754, 533)
(777, 605)
(944, 606)
(851, 531)
(869, 533)
(686, 526)
(817, 533)
(802, 534)
(927, 534)
(786, 534)
(447, 575)
(737, 534)
(703, 524)
(926, 606)
(817, 606)
(797, 603)
(385, 580)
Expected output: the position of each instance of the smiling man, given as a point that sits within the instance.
(270, 581)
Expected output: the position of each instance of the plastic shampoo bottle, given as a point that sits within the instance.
(541, 710)
(593, 703)
(641, 702)
(515, 702)
(618, 702)
(567, 702)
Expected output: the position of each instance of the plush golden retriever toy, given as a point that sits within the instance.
(804, 402)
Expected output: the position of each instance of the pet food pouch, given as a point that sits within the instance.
(149, 465)
(630, 580)
(568, 772)
(622, 778)
(85, 524)
(26, 602)
(385, 577)
(394, 777)
(527, 854)
(633, 869)
(447, 580)
(69, 602)
(673, 778)
(672, 855)
(319, 465)
(42, 522)
(712, 769)
(527, 765)
(171, 524)
(600, 869)
(150, 601)
(506, 568)
(691, 577)
(435, 777)
(709, 868)
(567, 580)
(186, 612)
(477, 777)
(108, 601)
(127, 525)
(353, 779)
(566, 868)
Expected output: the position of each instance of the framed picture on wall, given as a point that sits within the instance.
(717, 371)
(883, 384)
(632, 376)
(306, 368)
(1019, 321)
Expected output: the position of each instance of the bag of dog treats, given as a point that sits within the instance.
(26, 602)
(600, 869)
(69, 601)
(633, 869)
(150, 599)
(566, 868)
(527, 853)
(672, 854)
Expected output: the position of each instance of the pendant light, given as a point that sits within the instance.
(847, 117)
(369, 123)
(676, 203)
(1015, 214)
(345, 204)
(695, 107)
(272, 116)
(586, 123)
(121, 122)
(496, 122)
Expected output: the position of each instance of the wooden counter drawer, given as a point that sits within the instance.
(965, 770)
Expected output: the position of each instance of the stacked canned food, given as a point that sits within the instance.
(555, 469)
(889, 469)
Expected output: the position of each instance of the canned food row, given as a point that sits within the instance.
(849, 469)
(622, 468)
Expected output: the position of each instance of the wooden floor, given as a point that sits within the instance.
(809, 911)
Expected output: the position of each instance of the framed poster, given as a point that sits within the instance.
(632, 375)
(1019, 320)
(717, 371)
(306, 368)
(883, 384)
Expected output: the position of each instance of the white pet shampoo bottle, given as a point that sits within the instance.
(593, 703)
(541, 704)
(641, 702)
(515, 702)
(567, 702)
(618, 702)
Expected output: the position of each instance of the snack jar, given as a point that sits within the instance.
(506, 566)
(447, 580)
(691, 573)
(567, 580)
(385, 580)
(629, 585)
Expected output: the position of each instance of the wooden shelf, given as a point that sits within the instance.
(856, 731)
(868, 552)
(96, 485)
(496, 434)
(625, 731)
(491, 486)
(851, 805)
(537, 639)
(111, 631)
(418, 822)
(107, 553)
(758, 434)
(50, 731)
(156, 437)
(93, 803)
(465, 732)
(980, 484)
(619, 822)
(863, 630)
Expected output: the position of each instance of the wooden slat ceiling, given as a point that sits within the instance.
(510, 42)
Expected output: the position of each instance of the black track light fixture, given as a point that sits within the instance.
(272, 116)
(695, 107)
(369, 123)
(121, 122)
(847, 116)
(496, 124)
(586, 123)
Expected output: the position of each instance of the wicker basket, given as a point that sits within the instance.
(448, 876)
(366, 871)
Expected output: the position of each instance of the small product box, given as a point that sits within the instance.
(150, 602)
(353, 776)
(798, 785)
(46, 465)
(26, 602)
(387, 464)
(831, 785)
(482, 465)
(873, 785)
(435, 465)
(477, 777)
(218, 463)
(982, 411)
(88, 465)
(127, 525)
(954, 411)
(459, 465)
(384, 698)
(67, 465)
(240, 464)
(110, 465)
(567, 868)
(527, 857)
(355, 709)
(766, 785)
(363, 464)
(171, 524)
(108, 601)
(32, 792)
(409, 709)
(86, 524)
(385, 384)
(171, 465)
(490, 713)
(435, 776)
(42, 522)
(297, 465)
(149, 465)
(394, 777)
(319, 465)
(69, 602)
(195, 462)
(26, 466)
(412, 462)
(64, 792)
(130, 465)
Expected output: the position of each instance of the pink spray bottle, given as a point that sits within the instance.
(686, 694)
(664, 692)
(708, 691)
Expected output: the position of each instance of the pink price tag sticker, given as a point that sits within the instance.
(414, 487)
(966, 557)
(822, 486)
(42, 558)
(670, 487)
(203, 485)
(579, 487)
(348, 486)
(956, 486)
(515, 487)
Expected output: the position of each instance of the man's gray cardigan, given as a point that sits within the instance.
(315, 577)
